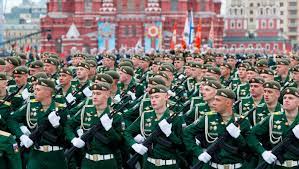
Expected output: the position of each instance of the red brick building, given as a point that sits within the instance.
(82, 23)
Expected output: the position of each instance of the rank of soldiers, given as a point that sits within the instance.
(153, 111)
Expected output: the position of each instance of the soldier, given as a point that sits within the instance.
(179, 63)
(35, 67)
(198, 58)
(10, 64)
(65, 77)
(9, 151)
(200, 109)
(225, 78)
(99, 153)
(162, 154)
(252, 72)
(213, 72)
(219, 58)
(114, 88)
(127, 81)
(275, 128)
(282, 71)
(209, 127)
(295, 79)
(48, 152)
(262, 64)
(231, 60)
(93, 69)
(240, 85)
(267, 74)
(81, 79)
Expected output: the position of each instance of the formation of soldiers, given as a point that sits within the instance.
(153, 111)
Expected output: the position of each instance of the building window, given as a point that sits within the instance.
(131, 5)
(88, 5)
(241, 46)
(233, 46)
(236, 11)
(251, 12)
(261, 11)
(241, 11)
(250, 46)
(281, 21)
(268, 46)
(232, 24)
(274, 11)
(251, 4)
(275, 46)
(202, 5)
(127, 31)
(134, 31)
(264, 25)
(281, 12)
(239, 25)
(258, 4)
(251, 20)
(258, 46)
(281, 4)
(174, 5)
(270, 24)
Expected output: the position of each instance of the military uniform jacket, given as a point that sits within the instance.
(88, 117)
(5, 110)
(18, 100)
(148, 123)
(279, 80)
(207, 129)
(242, 90)
(33, 115)
(247, 104)
(262, 112)
(274, 128)
(60, 97)
(75, 84)
(195, 112)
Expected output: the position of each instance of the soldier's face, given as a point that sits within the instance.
(231, 62)
(100, 97)
(20, 79)
(290, 103)
(158, 100)
(2, 68)
(41, 92)
(123, 77)
(267, 77)
(167, 60)
(189, 59)
(219, 60)
(224, 71)
(256, 89)
(178, 64)
(155, 68)
(281, 69)
(92, 71)
(188, 71)
(82, 72)
(251, 74)
(77, 60)
(296, 76)
(220, 104)
(33, 71)
(64, 79)
(149, 86)
(8, 67)
(271, 95)
(208, 92)
(242, 72)
(49, 68)
(198, 60)
(108, 62)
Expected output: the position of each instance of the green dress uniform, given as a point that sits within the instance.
(49, 154)
(272, 130)
(98, 153)
(163, 152)
(262, 112)
(242, 90)
(196, 112)
(75, 84)
(206, 130)
(282, 82)
(9, 152)
(20, 97)
(247, 104)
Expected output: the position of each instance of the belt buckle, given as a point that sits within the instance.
(226, 166)
(158, 162)
(95, 157)
(289, 163)
(45, 148)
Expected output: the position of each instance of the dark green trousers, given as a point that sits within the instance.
(46, 160)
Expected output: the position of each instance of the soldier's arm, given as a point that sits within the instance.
(132, 131)
(15, 118)
(176, 134)
(189, 136)
(114, 134)
(189, 116)
(258, 131)
(245, 131)
(71, 125)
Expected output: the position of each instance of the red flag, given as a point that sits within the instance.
(173, 40)
(27, 48)
(198, 35)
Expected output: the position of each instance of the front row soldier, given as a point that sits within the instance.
(47, 154)
(276, 127)
(207, 129)
(98, 153)
(158, 155)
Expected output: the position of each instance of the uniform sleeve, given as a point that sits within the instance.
(189, 116)
(14, 119)
(245, 131)
(131, 131)
(114, 134)
(261, 129)
(177, 132)
(71, 125)
(189, 136)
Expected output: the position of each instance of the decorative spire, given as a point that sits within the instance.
(73, 32)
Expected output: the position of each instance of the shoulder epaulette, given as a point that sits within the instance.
(89, 105)
(146, 111)
(33, 100)
(261, 105)
(201, 104)
(210, 113)
(4, 133)
(277, 113)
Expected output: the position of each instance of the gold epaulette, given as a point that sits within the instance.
(146, 111)
(277, 113)
(210, 113)
(7, 103)
(89, 105)
(4, 133)
(33, 100)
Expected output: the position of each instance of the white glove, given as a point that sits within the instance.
(25, 130)
(132, 95)
(80, 132)
(77, 142)
(139, 138)
(25, 94)
(165, 127)
(171, 93)
(26, 141)
(139, 148)
(296, 131)
(269, 157)
(54, 119)
(70, 98)
(204, 157)
(106, 122)
(181, 76)
(87, 92)
(233, 130)
(117, 98)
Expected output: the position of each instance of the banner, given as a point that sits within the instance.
(106, 35)
(153, 36)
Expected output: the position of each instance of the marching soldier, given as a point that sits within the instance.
(10, 64)
(282, 72)
(2, 65)
(211, 126)
(51, 66)
(48, 151)
(295, 78)
(101, 152)
(240, 85)
(267, 74)
(225, 78)
(275, 128)
(9, 152)
(93, 69)
(161, 154)
(65, 77)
